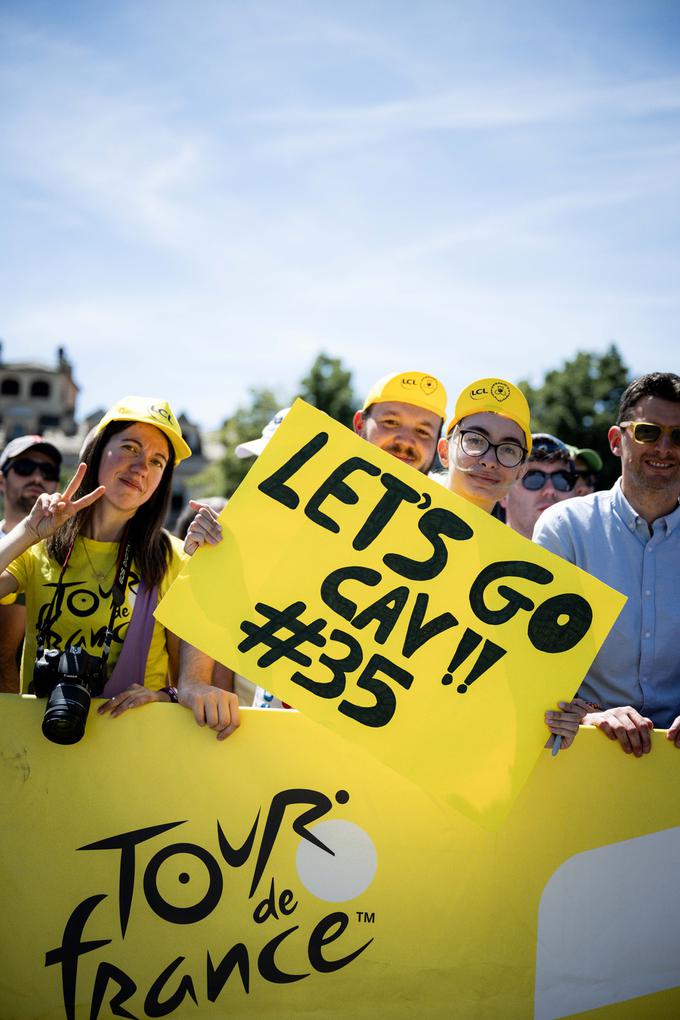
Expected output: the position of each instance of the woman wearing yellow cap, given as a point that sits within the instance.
(93, 562)
(487, 443)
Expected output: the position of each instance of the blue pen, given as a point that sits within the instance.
(556, 745)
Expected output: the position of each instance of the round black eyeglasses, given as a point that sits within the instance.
(475, 445)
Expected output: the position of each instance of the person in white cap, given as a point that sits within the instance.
(29, 466)
(254, 447)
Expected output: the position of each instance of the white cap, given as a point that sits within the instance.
(254, 447)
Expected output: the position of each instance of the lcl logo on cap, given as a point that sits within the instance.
(162, 413)
(427, 383)
(500, 392)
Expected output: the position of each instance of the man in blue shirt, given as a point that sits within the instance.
(629, 537)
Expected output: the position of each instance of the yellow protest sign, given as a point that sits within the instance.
(151, 871)
(397, 614)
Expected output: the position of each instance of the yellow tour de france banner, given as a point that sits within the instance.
(152, 871)
(406, 619)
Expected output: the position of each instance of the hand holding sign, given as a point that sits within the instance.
(205, 529)
(392, 611)
(564, 725)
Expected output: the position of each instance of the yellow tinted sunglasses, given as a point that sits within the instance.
(649, 432)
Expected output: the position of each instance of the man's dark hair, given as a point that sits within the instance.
(664, 385)
(549, 449)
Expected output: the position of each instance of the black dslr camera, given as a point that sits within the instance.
(68, 679)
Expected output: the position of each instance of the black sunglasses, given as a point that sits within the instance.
(562, 481)
(25, 466)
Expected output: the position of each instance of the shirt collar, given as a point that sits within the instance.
(632, 519)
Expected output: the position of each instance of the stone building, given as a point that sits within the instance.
(36, 397)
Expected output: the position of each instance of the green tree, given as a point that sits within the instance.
(578, 403)
(328, 386)
(245, 424)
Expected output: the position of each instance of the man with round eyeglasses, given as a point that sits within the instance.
(629, 537)
(549, 478)
(29, 466)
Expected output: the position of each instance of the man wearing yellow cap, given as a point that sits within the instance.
(487, 442)
(403, 415)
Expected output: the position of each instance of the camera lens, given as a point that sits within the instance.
(66, 713)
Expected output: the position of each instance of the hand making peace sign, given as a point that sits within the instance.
(49, 512)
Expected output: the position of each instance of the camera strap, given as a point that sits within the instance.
(118, 593)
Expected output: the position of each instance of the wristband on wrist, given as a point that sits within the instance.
(171, 693)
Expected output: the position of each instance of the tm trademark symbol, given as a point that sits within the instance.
(364, 917)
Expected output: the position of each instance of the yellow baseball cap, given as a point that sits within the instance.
(497, 396)
(409, 388)
(153, 411)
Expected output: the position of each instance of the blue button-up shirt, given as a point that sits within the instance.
(639, 663)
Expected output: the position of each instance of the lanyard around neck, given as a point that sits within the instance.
(121, 577)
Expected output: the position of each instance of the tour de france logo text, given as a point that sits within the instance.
(82, 602)
(230, 971)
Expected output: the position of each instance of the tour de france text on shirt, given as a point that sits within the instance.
(555, 624)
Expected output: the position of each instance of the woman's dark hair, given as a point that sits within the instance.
(151, 547)
(664, 385)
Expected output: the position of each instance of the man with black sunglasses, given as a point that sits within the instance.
(29, 466)
(549, 478)
(629, 537)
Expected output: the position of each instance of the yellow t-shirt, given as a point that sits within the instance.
(83, 607)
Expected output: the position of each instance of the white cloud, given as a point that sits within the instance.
(205, 198)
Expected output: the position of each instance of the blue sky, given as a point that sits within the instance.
(196, 199)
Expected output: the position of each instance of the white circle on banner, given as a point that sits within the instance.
(344, 874)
